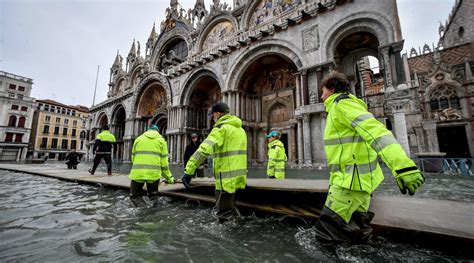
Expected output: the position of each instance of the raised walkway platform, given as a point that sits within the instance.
(449, 221)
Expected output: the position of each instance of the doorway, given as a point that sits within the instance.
(453, 141)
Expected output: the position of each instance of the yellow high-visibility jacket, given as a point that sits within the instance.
(276, 159)
(150, 158)
(353, 139)
(227, 143)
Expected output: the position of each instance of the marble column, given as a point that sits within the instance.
(387, 68)
(299, 136)
(398, 111)
(304, 85)
(298, 90)
(420, 139)
(179, 148)
(171, 148)
(237, 104)
(308, 157)
(431, 135)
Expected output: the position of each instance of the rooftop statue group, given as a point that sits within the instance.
(353, 141)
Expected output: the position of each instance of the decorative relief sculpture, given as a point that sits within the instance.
(217, 34)
(449, 114)
(310, 39)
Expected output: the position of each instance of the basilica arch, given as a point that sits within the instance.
(264, 96)
(151, 102)
(118, 121)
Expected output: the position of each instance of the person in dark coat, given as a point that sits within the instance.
(190, 149)
(72, 159)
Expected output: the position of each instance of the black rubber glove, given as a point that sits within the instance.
(186, 181)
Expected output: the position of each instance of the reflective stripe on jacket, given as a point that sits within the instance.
(150, 158)
(276, 159)
(353, 140)
(227, 143)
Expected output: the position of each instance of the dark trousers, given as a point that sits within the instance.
(136, 189)
(108, 160)
(225, 206)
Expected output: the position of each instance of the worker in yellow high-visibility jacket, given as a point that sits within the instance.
(276, 156)
(150, 163)
(353, 142)
(227, 143)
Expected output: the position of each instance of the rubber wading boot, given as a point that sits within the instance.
(331, 229)
(138, 201)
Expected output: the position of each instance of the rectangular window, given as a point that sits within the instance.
(63, 110)
(52, 155)
(9, 137)
(56, 130)
(73, 144)
(46, 129)
(19, 96)
(53, 108)
(14, 107)
(23, 108)
(12, 86)
(21, 88)
(44, 143)
(64, 144)
(64, 131)
(73, 113)
(74, 123)
(46, 107)
(82, 145)
(11, 95)
(54, 143)
(47, 118)
(58, 120)
(68, 112)
(73, 133)
(18, 137)
(66, 121)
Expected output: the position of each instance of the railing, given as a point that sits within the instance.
(454, 166)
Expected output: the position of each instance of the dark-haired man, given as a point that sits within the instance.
(353, 140)
(103, 149)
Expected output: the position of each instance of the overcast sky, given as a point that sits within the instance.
(59, 43)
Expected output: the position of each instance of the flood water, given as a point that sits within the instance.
(44, 219)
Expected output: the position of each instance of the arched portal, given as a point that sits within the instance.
(267, 102)
(118, 129)
(204, 93)
(152, 102)
(353, 54)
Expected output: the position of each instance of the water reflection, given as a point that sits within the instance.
(44, 219)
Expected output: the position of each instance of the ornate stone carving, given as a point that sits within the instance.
(449, 114)
(310, 39)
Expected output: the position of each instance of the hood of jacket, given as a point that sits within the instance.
(275, 142)
(331, 99)
(229, 119)
(152, 134)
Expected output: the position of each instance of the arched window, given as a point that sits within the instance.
(21, 122)
(12, 121)
(444, 97)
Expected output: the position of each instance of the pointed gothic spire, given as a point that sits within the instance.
(133, 51)
(153, 34)
(118, 60)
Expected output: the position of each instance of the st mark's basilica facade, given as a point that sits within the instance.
(266, 58)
